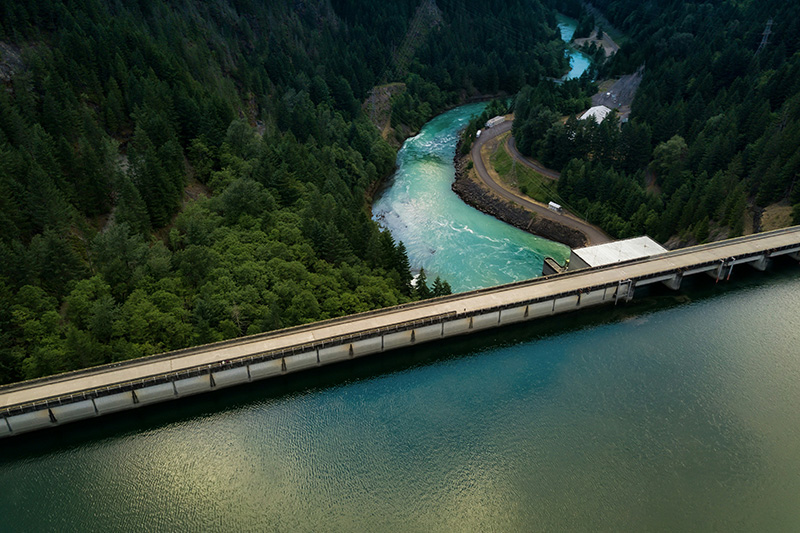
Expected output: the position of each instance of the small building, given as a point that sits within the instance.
(614, 252)
(492, 122)
(598, 113)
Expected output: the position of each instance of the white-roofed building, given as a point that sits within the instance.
(614, 252)
(598, 113)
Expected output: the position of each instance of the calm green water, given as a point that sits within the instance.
(441, 233)
(578, 62)
(672, 414)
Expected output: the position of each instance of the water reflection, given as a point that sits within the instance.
(675, 414)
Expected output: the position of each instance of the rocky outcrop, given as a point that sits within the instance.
(483, 200)
(10, 61)
(378, 107)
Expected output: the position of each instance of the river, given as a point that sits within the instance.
(441, 233)
(578, 61)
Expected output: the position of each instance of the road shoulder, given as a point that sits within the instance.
(479, 190)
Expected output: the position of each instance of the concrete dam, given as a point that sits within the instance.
(83, 394)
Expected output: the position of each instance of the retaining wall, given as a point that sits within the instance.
(160, 389)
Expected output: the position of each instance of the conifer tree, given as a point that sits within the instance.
(421, 288)
(440, 287)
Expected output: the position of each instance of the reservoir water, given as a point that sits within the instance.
(670, 414)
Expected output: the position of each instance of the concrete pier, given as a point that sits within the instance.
(64, 398)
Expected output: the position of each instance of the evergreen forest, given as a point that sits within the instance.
(175, 173)
(714, 129)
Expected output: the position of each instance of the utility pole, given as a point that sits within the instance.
(765, 36)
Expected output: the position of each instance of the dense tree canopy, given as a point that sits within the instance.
(714, 128)
(176, 172)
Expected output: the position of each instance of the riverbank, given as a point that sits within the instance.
(606, 43)
(442, 233)
(381, 101)
(479, 197)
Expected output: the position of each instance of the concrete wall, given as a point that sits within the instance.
(761, 263)
(367, 346)
(457, 326)
(401, 339)
(266, 369)
(74, 411)
(542, 308)
(511, 316)
(592, 298)
(189, 386)
(155, 393)
(567, 303)
(428, 333)
(301, 361)
(489, 320)
(335, 353)
(232, 376)
(30, 421)
(114, 403)
(293, 363)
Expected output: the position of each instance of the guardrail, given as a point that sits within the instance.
(169, 377)
(129, 385)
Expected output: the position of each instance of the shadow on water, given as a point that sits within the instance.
(426, 156)
(648, 300)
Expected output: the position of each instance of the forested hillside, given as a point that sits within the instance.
(714, 130)
(176, 172)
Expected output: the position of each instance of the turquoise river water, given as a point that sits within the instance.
(441, 233)
(578, 62)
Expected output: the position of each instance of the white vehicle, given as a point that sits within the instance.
(552, 206)
(492, 122)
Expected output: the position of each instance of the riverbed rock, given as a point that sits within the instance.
(483, 200)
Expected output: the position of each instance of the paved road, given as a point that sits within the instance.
(593, 234)
(461, 305)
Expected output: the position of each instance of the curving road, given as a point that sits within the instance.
(593, 234)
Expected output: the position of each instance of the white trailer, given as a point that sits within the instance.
(492, 122)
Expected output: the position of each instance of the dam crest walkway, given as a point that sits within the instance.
(91, 392)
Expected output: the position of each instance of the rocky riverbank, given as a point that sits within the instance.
(481, 199)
